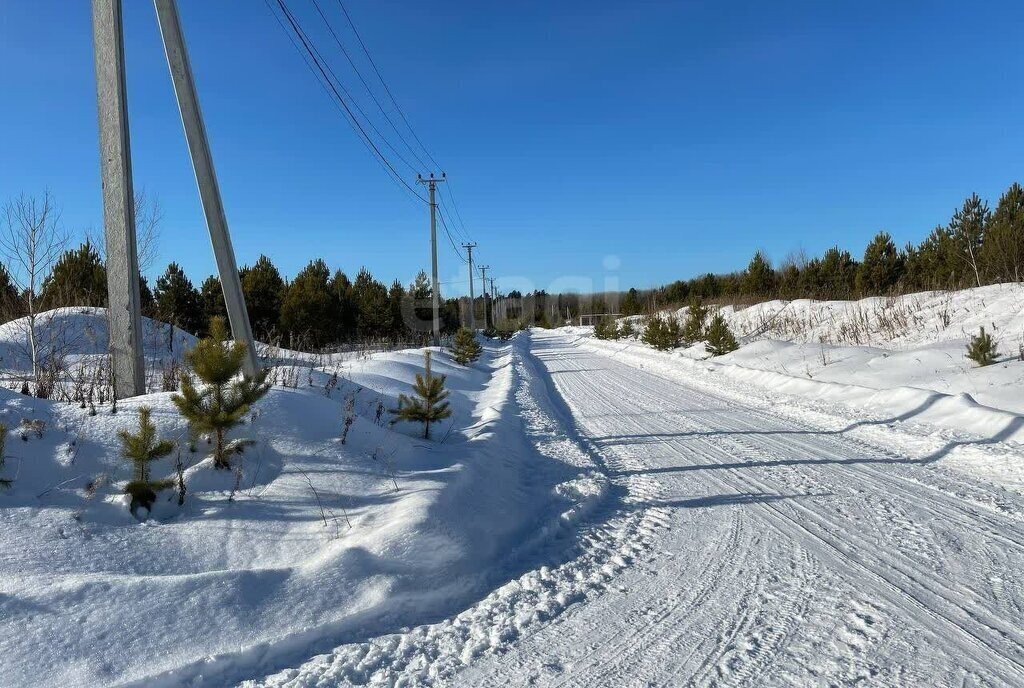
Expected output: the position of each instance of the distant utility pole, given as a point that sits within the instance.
(432, 187)
(206, 177)
(472, 306)
(124, 305)
(494, 303)
(483, 278)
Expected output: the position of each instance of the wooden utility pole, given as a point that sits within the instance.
(206, 177)
(123, 303)
(472, 305)
(435, 292)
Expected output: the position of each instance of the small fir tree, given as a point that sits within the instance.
(981, 349)
(1002, 250)
(882, 267)
(429, 405)
(662, 333)
(396, 300)
(759, 278)
(264, 290)
(605, 328)
(465, 348)
(309, 307)
(224, 401)
(693, 328)
(142, 449)
(78, 279)
(967, 232)
(177, 302)
(211, 297)
(631, 303)
(719, 337)
(373, 317)
(625, 330)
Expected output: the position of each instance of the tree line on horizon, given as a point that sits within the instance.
(978, 246)
(317, 308)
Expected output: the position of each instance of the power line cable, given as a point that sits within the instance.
(385, 85)
(356, 105)
(445, 210)
(324, 86)
(451, 196)
(324, 69)
(451, 240)
(369, 91)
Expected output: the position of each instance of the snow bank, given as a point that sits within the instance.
(79, 333)
(891, 354)
(565, 575)
(323, 543)
(895, 323)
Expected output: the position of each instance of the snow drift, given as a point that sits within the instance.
(315, 543)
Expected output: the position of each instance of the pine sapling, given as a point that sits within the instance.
(142, 448)
(224, 400)
(720, 339)
(981, 349)
(465, 348)
(428, 405)
(605, 328)
(662, 333)
(693, 328)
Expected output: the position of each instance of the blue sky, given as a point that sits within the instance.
(628, 143)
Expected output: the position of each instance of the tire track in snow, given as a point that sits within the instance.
(987, 631)
(894, 620)
(939, 600)
(663, 634)
(613, 540)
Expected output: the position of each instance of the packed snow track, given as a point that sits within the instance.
(791, 555)
(743, 541)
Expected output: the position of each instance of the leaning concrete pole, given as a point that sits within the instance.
(123, 302)
(206, 177)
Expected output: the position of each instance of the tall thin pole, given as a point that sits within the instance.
(124, 305)
(494, 304)
(206, 177)
(483, 278)
(472, 305)
(436, 296)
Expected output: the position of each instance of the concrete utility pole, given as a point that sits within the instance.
(124, 305)
(483, 278)
(494, 303)
(206, 177)
(432, 187)
(472, 306)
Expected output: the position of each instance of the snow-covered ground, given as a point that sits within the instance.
(917, 340)
(901, 358)
(321, 543)
(797, 544)
(594, 514)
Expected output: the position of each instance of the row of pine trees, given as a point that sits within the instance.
(316, 309)
(319, 307)
(978, 246)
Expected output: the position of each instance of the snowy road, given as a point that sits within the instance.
(789, 553)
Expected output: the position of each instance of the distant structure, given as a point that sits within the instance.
(591, 318)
